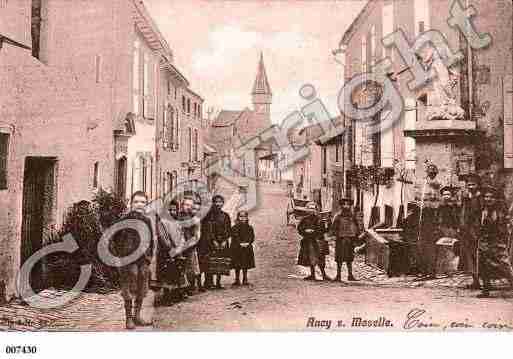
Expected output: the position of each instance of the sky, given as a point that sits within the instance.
(217, 44)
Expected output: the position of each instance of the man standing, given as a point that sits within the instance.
(493, 256)
(345, 229)
(469, 220)
(134, 277)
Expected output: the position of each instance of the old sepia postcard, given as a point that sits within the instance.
(230, 165)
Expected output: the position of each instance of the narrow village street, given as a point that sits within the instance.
(279, 299)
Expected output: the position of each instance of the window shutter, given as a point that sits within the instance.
(177, 129)
(189, 140)
(508, 121)
(4, 154)
(165, 127)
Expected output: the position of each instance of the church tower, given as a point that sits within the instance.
(262, 96)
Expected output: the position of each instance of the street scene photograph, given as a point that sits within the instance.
(255, 166)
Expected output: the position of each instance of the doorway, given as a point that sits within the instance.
(121, 172)
(38, 211)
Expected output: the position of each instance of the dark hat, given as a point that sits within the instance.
(448, 188)
(345, 200)
(472, 176)
(217, 196)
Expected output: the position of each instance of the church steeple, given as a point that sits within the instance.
(262, 95)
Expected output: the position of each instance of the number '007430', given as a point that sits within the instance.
(20, 349)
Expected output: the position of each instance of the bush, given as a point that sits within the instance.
(109, 207)
(85, 221)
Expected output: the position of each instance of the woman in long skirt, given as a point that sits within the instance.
(312, 230)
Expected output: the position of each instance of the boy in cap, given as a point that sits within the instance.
(134, 277)
(345, 229)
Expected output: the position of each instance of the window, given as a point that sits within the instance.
(168, 130)
(98, 68)
(188, 105)
(174, 180)
(4, 155)
(176, 92)
(196, 140)
(167, 186)
(421, 27)
(189, 140)
(421, 16)
(96, 175)
(135, 78)
(324, 169)
(184, 105)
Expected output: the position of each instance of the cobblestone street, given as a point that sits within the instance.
(279, 299)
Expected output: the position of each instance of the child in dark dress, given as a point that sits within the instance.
(241, 248)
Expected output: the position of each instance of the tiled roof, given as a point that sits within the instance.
(226, 118)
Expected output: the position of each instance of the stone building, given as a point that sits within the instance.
(79, 101)
(473, 133)
(231, 128)
(319, 176)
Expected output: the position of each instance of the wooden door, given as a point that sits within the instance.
(37, 210)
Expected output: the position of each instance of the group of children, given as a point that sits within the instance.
(314, 247)
(186, 247)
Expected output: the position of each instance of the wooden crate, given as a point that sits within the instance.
(377, 251)
(384, 250)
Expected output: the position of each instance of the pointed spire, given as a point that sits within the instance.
(261, 85)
